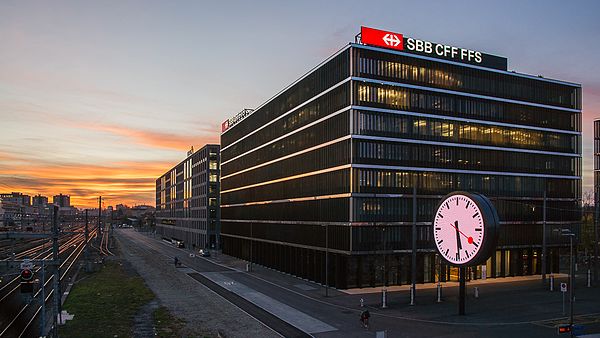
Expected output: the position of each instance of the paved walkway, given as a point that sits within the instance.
(295, 317)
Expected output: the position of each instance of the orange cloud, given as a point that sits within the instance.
(127, 182)
(160, 139)
(123, 182)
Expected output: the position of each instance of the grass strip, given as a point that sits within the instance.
(104, 303)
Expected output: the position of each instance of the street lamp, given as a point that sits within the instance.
(384, 290)
(567, 232)
(326, 260)
(326, 225)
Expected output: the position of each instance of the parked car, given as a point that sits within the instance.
(204, 252)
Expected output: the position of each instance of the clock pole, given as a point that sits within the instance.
(461, 293)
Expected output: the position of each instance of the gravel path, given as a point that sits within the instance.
(143, 322)
(205, 313)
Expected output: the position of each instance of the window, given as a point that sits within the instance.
(421, 101)
(400, 68)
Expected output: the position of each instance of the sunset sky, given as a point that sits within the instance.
(100, 98)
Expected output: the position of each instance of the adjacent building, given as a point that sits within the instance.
(40, 201)
(187, 200)
(16, 198)
(596, 159)
(63, 201)
(1, 215)
(329, 163)
(16, 209)
(595, 233)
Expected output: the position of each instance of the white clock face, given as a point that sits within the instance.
(458, 229)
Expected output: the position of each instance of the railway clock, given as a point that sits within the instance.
(465, 228)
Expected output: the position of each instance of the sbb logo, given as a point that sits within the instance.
(376, 37)
(224, 126)
(391, 40)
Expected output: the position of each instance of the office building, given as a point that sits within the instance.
(187, 200)
(329, 163)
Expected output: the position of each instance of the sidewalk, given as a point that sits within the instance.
(503, 305)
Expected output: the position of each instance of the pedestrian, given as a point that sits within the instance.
(364, 318)
(176, 261)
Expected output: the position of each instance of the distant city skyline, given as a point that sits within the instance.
(101, 98)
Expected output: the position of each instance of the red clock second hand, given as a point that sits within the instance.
(469, 239)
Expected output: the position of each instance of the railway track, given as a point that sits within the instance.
(19, 318)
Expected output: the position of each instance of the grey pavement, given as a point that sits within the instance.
(287, 313)
(205, 312)
(519, 308)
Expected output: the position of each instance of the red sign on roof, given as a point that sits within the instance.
(224, 126)
(376, 37)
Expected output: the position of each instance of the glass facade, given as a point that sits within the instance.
(336, 155)
(187, 200)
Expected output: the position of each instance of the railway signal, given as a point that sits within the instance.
(26, 275)
(26, 281)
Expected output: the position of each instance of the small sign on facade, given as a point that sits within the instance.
(563, 287)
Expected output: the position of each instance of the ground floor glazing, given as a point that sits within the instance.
(394, 268)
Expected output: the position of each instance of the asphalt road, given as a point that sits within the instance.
(522, 309)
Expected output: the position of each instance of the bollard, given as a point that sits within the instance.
(362, 302)
(551, 282)
(589, 279)
(383, 298)
(412, 296)
(439, 293)
(476, 293)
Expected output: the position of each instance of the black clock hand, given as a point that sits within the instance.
(458, 242)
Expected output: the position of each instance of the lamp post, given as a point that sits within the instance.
(567, 232)
(384, 290)
(326, 260)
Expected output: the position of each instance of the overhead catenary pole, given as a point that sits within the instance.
(87, 234)
(99, 217)
(56, 277)
(43, 301)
